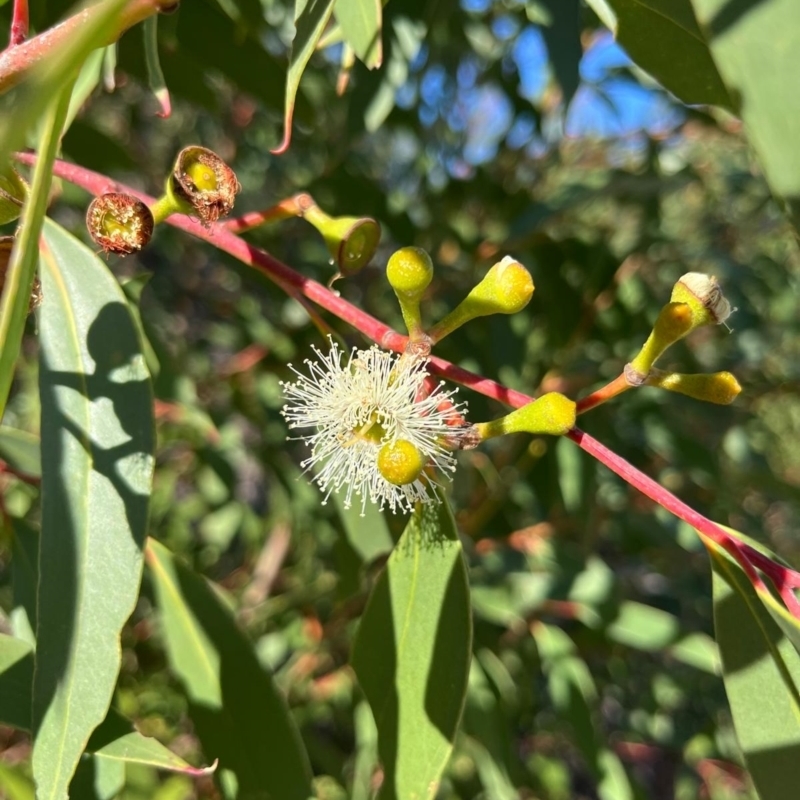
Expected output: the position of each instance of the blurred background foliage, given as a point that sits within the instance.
(492, 127)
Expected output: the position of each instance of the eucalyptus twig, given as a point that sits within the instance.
(15, 61)
(291, 281)
(19, 23)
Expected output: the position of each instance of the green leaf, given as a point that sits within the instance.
(563, 39)
(755, 48)
(412, 653)
(16, 678)
(237, 711)
(643, 627)
(14, 785)
(20, 450)
(97, 459)
(761, 670)
(310, 19)
(16, 294)
(574, 695)
(24, 106)
(664, 39)
(368, 535)
(133, 748)
(360, 21)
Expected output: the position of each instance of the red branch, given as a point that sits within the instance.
(785, 579)
(19, 23)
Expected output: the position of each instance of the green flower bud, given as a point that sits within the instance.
(674, 322)
(400, 462)
(13, 192)
(718, 387)
(6, 246)
(201, 185)
(119, 223)
(702, 293)
(551, 413)
(506, 289)
(351, 241)
(410, 271)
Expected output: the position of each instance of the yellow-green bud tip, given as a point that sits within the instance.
(400, 462)
(506, 289)
(721, 388)
(704, 295)
(552, 413)
(410, 271)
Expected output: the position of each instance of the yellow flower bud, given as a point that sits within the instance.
(400, 462)
(718, 387)
(119, 223)
(551, 413)
(506, 289)
(410, 271)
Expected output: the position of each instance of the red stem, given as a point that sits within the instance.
(19, 23)
(784, 578)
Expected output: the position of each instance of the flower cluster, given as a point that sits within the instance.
(374, 428)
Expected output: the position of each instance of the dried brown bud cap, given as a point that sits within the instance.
(204, 181)
(705, 289)
(119, 223)
(6, 246)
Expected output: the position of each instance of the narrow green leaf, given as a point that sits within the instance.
(24, 580)
(563, 39)
(360, 21)
(155, 75)
(761, 670)
(14, 785)
(16, 678)
(16, 294)
(755, 47)
(25, 104)
(237, 711)
(412, 653)
(20, 450)
(664, 39)
(310, 19)
(97, 458)
(133, 748)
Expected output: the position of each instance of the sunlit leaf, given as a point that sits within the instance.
(310, 19)
(412, 653)
(360, 21)
(761, 670)
(97, 445)
(755, 48)
(238, 714)
(664, 39)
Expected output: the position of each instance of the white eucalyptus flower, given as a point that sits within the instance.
(373, 428)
